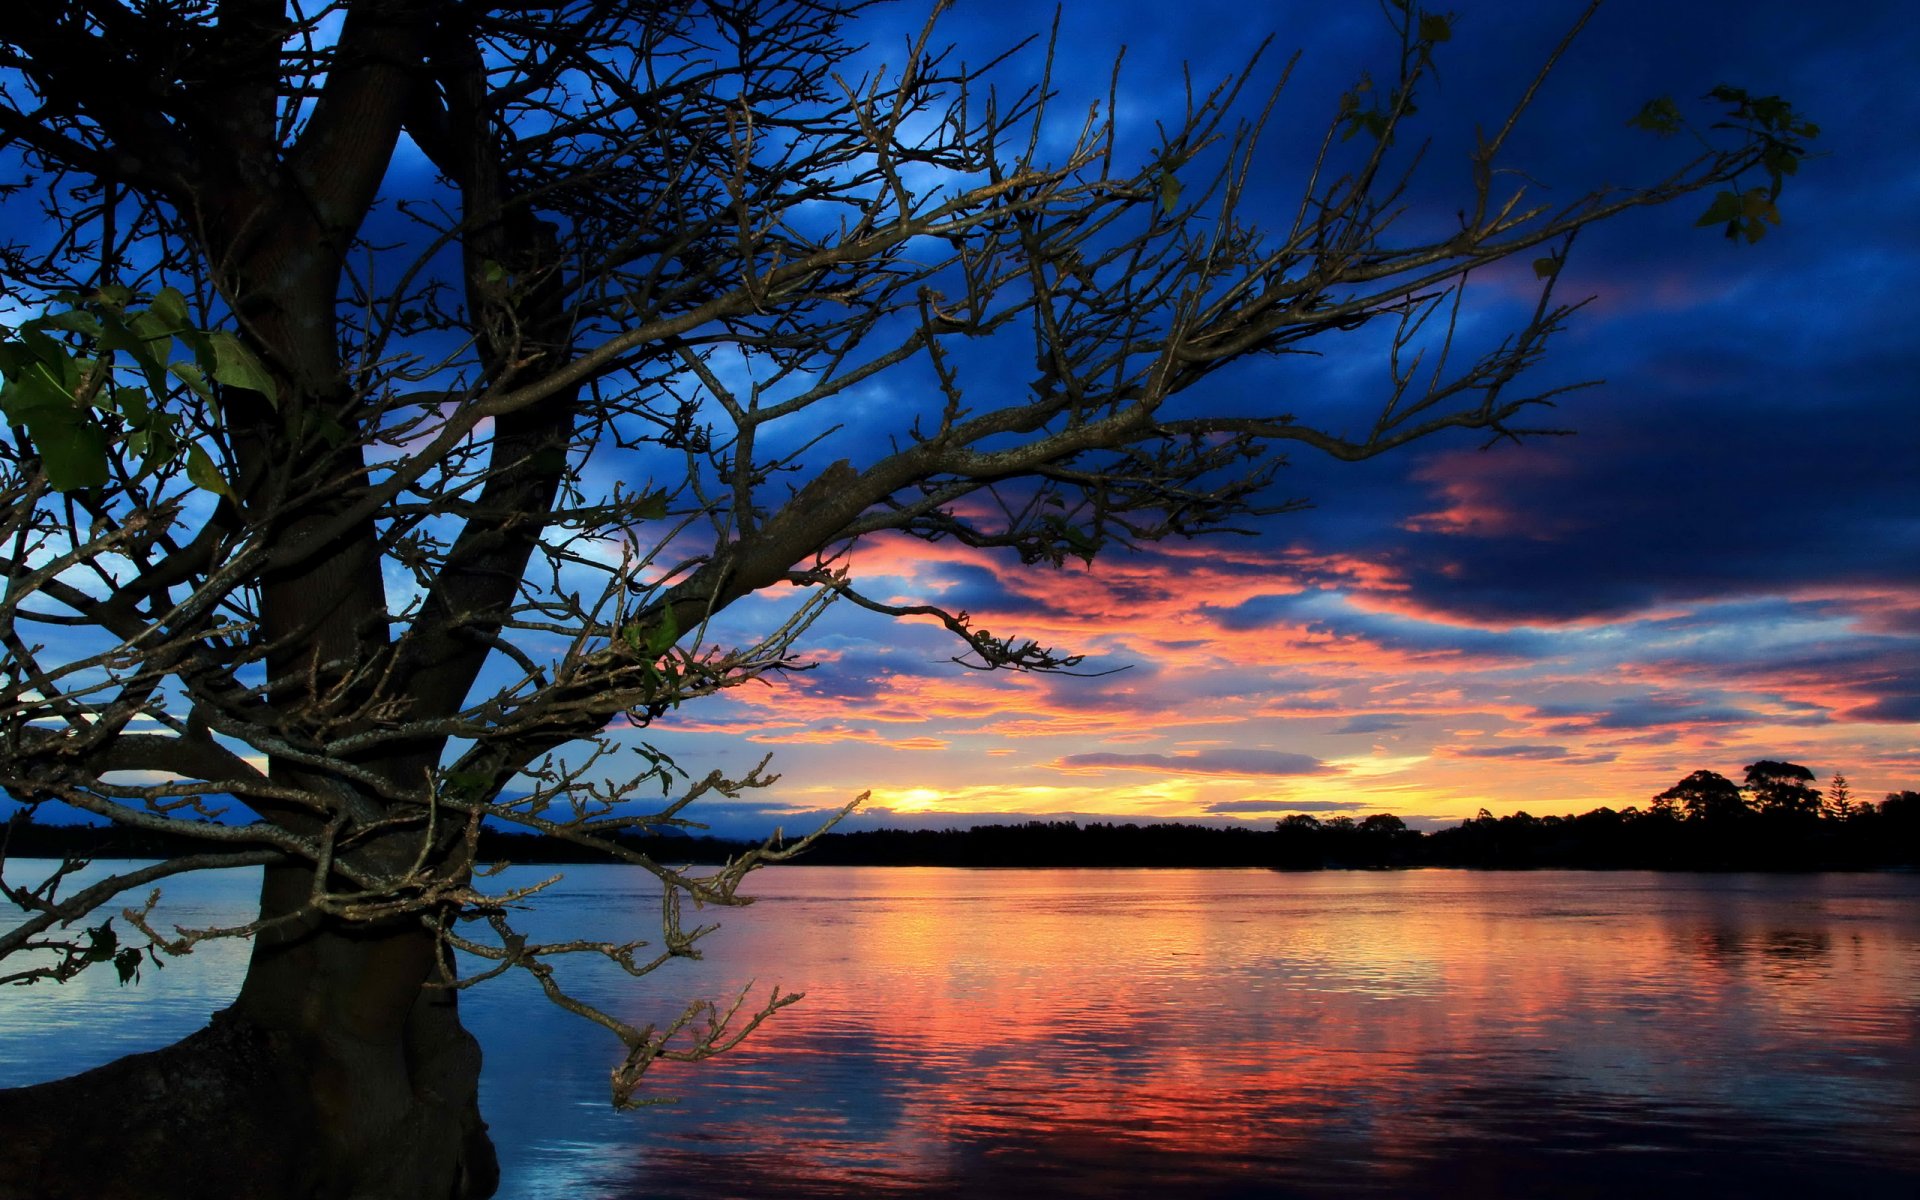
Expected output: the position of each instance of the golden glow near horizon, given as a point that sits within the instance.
(1268, 682)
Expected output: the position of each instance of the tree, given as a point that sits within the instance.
(1782, 787)
(1703, 796)
(347, 510)
(1899, 821)
(1839, 798)
(1903, 805)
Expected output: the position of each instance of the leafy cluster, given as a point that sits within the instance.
(63, 387)
(1779, 136)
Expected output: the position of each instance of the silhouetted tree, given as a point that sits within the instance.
(367, 504)
(1704, 796)
(1782, 788)
(1839, 799)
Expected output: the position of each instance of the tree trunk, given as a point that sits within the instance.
(334, 1076)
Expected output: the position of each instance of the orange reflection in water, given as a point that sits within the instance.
(1113, 1032)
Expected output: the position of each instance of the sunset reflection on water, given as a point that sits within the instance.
(1098, 1033)
(1230, 1034)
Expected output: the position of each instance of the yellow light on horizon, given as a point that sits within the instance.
(1373, 765)
(915, 800)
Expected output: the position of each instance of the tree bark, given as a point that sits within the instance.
(303, 1089)
(336, 1074)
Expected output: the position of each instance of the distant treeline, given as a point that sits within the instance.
(1864, 837)
(1604, 838)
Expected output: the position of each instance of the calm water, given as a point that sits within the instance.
(1205, 1034)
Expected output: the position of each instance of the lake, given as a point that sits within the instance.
(1195, 1033)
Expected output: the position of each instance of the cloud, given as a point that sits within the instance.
(837, 733)
(1509, 751)
(1899, 710)
(1201, 762)
(1288, 806)
(1646, 713)
(1385, 722)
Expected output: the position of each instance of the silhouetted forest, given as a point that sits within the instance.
(1888, 836)
(1697, 826)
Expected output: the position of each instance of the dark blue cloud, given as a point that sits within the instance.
(1288, 806)
(1255, 612)
(980, 589)
(1900, 709)
(1643, 712)
(1863, 678)
(1204, 762)
(1510, 751)
(1375, 723)
(1755, 432)
(1698, 500)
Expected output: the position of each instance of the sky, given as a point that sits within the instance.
(1722, 565)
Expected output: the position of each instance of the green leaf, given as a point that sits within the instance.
(74, 320)
(191, 375)
(650, 507)
(1756, 203)
(103, 942)
(1082, 544)
(131, 403)
(72, 448)
(1546, 268)
(33, 393)
(466, 784)
(661, 637)
(1169, 192)
(171, 308)
(237, 366)
(50, 357)
(202, 473)
(1726, 206)
(1660, 115)
(151, 340)
(322, 425)
(149, 430)
(492, 272)
(1435, 27)
(1371, 120)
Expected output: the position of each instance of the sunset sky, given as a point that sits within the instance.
(1723, 565)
